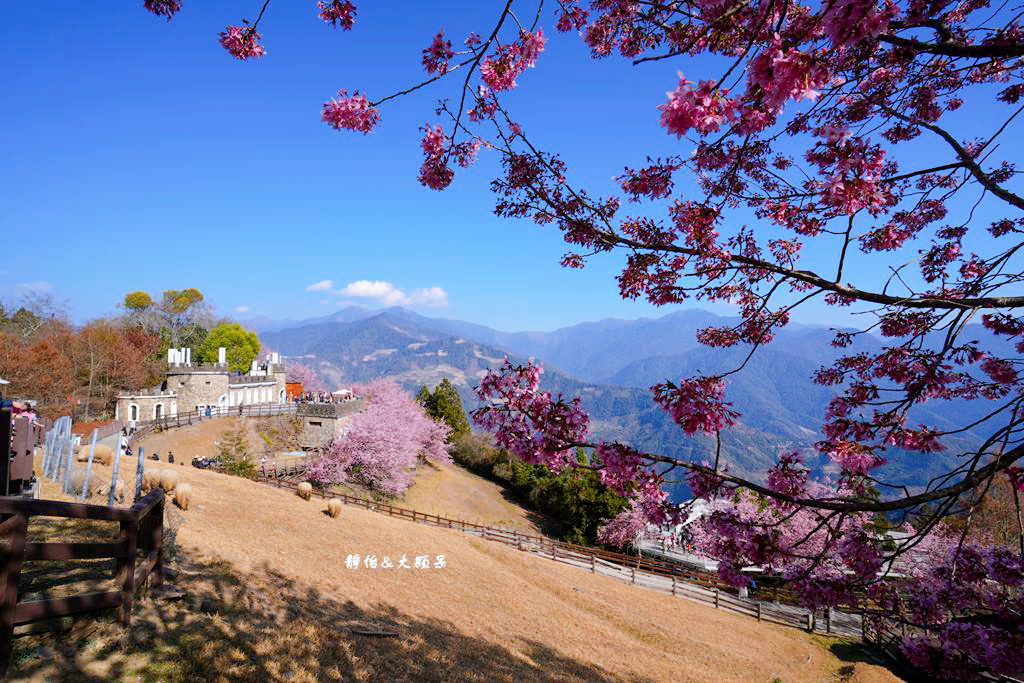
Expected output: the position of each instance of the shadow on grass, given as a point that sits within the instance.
(265, 626)
(852, 653)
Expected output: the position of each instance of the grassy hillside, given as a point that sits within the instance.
(268, 597)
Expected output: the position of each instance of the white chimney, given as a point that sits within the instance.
(170, 356)
(188, 356)
(222, 355)
(252, 369)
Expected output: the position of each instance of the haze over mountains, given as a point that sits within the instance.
(610, 364)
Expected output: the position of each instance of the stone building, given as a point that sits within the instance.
(321, 422)
(190, 387)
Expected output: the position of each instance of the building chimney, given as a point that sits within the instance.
(222, 355)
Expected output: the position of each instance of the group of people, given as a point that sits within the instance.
(324, 397)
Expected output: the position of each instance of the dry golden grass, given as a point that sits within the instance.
(454, 492)
(199, 439)
(270, 599)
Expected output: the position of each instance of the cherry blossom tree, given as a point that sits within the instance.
(304, 375)
(825, 157)
(384, 443)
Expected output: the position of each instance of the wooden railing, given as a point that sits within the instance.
(667, 577)
(197, 416)
(141, 532)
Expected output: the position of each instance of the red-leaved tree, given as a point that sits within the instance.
(831, 162)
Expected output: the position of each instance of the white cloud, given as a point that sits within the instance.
(242, 309)
(434, 297)
(322, 286)
(387, 294)
(382, 291)
(34, 286)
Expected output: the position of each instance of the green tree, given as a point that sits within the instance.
(234, 452)
(444, 403)
(242, 346)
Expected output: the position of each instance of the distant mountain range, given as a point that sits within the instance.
(610, 364)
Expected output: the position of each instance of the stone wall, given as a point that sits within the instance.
(317, 431)
(145, 404)
(198, 388)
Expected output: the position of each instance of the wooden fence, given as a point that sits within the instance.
(197, 416)
(667, 577)
(141, 532)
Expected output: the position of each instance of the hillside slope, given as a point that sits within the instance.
(279, 603)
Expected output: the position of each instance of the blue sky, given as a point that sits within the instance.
(138, 154)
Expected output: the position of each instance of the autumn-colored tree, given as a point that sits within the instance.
(181, 316)
(40, 368)
(110, 357)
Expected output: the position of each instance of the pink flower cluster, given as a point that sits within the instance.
(435, 173)
(626, 528)
(350, 112)
(787, 74)
(655, 181)
(847, 22)
(500, 71)
(242, 42)
(338, 11)
(854, 458)
(696, 404)
(436, 57)
(704, 109)
(163, 8)
(529, 422)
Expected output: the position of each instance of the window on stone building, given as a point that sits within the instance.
(315, 424)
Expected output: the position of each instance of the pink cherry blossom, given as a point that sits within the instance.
(163, 8)
(436, 57)
(242, 42)
(350, 112)
(338, 11)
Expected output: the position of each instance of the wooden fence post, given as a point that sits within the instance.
(828, 620)
(810, 621)
(553, 555)
(759, 610)
(156, 542)
(632, 570)
(9, 573)
(716, 598)
(593, 564)
(673, 585)
(129, 537)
